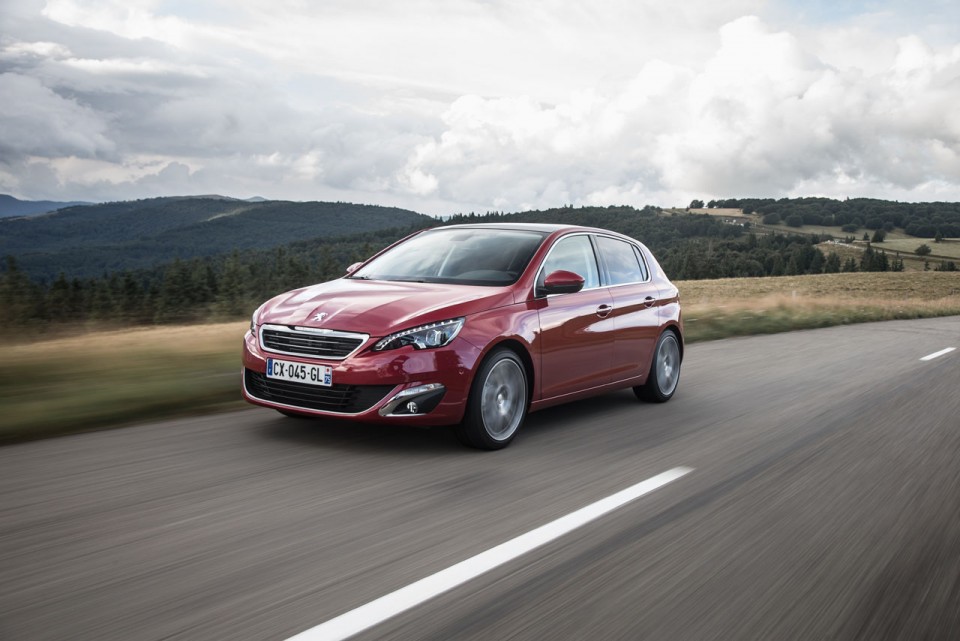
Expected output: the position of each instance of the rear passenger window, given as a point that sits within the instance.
(621, 260)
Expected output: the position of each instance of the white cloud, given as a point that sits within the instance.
(762, 115)
(39, 122)
(125, 18)
(40, 49)
(455, 105)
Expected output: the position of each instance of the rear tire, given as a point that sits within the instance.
(664, 371)
(497, 404)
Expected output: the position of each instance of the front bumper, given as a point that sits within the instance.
(371, 386)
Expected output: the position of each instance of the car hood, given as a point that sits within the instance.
(379, 308)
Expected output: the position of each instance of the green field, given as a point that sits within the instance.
(93, 380)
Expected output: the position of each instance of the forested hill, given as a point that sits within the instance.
(101, 239)
(10, 206)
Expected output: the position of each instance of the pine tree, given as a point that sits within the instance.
(174, 302)
(130, 301)
(232, 298)
(329, 269)
(832, 264)
(816, 264)
(882, 262)
(867, 260)
(18, 296)
(897, 265)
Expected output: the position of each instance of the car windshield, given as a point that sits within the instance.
(491, 257)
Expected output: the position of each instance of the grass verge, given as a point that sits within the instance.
(112, 378)
(715, 309)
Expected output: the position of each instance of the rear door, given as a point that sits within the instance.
(635, 300)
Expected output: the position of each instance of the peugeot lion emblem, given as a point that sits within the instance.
(319, 317)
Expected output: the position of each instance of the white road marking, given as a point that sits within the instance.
(930, 357)
(390, 605)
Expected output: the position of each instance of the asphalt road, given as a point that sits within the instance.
(824, 503)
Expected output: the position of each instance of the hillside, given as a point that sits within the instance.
(923, 220)
(10, 206)
(92, 240)
(853, 239)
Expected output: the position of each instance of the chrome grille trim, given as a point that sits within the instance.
(312, 342)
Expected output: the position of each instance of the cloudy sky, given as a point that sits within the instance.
(447, 106)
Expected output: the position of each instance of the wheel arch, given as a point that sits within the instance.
(673, 327)
(523, 353)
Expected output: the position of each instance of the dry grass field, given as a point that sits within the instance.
(911, 262)
(718, 211)
(195, 340)
(849, 287)
(948, 249)
(743, 306)
(94, 380)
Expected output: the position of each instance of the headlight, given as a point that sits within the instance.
(422, 337)
(254, 319)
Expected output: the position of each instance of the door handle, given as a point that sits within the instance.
(649, 301)
(604, 310)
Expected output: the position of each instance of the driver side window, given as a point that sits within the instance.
(574, 254)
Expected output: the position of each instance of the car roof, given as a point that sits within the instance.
(546, 228)
(541, 227)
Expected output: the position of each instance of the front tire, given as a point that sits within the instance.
(664, 371)
(497, 404)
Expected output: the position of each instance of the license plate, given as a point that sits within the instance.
(300, 372)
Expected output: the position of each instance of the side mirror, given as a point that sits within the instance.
(354, 267)
(562, 282)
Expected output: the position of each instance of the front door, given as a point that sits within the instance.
(577, 330)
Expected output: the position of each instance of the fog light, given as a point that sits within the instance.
(418, 400)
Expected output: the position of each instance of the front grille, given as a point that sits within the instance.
(343, 399)
(310, 342)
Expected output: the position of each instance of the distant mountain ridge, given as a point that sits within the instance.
(10, 206)
(90, 240)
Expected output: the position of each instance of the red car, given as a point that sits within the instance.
(472, 326)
